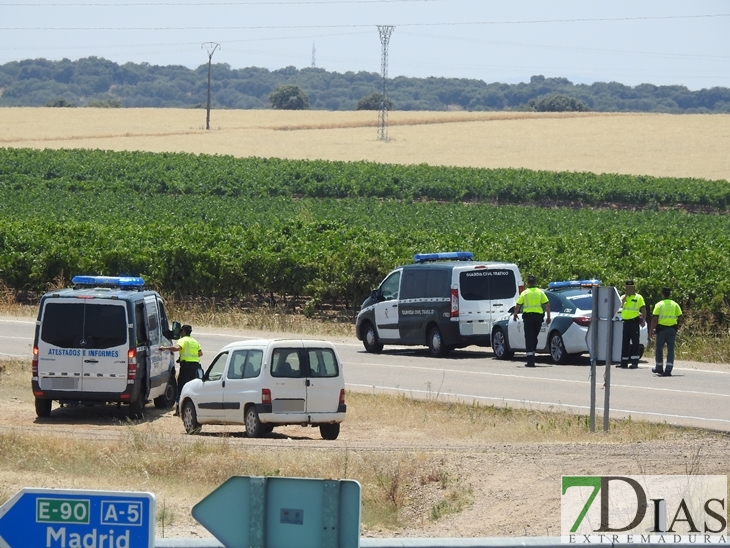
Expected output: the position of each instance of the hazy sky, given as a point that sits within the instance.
(663, 42)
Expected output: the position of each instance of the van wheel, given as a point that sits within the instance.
(329, 431)
(557, 349)
(136, 408)
(436, 343)
(500, 346)
(190, 418)
(370, 339)
(167, 399)
(253, 424)
(43, 407)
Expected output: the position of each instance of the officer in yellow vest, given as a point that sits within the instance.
(665, 322)
(532, 300)
(633, 315)
(190, 354)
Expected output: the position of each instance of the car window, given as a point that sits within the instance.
(390, 287)
(584, 302)
(502, 283)
(414, 284)
(253, 364)
(238, 361)
(215, 371)
(285, 363)
(556, 304)
(322, 362)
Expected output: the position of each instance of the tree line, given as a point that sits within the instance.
(97, 82)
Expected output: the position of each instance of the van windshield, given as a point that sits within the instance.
(82, 325)
(488, 284)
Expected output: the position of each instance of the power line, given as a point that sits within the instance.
(363, 25)
(208, 4)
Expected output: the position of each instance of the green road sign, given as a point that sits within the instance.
(263, 512)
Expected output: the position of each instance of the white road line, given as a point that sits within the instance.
(473, 397)
(17, 338)
(566, 381)
(31, 322)
(15, 355)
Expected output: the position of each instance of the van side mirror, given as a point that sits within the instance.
(176, 330)
(376, 296)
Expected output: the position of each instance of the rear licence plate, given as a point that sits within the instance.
(288, 406)
(70, 383)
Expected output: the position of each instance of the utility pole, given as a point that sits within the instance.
(210, 47)
(314, 52)
(385, 32)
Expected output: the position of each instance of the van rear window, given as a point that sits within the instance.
(488, 284)
(82, 325)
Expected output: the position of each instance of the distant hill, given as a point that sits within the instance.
(95, 81)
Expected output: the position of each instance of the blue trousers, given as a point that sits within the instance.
(665, 336)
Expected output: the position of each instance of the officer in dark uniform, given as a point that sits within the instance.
(633, 315)
(190, 354)
(532, 300)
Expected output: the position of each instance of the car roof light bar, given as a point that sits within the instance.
(109, 281)
(574, 283)
(448, 256)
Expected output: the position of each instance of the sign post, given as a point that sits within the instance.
(57, 518)
(259, 512)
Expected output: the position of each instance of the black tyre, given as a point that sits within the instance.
(267, 428)
(43, 407)
(370, 339)
(329, 431)
(253, 425)
(169, 397)
(500, 345)
(136, 408)
(190, 418)
(557, 348)
(436, 345)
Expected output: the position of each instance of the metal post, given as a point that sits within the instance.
(609, 355)
(210, 47)
(594, 344)
(385, 32)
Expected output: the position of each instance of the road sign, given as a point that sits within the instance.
(56, 518)
(272, 511)
(609, 303)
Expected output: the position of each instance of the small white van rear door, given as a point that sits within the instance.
(288, 382)
(486, 293)
(324, 382)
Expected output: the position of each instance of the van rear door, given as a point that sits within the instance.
(288, 382)
(486, 292)
(324, 381)
(83, 345)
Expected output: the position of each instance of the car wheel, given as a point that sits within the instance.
(43, 407)
(168, 398)
(500, 346)
(329, 431)
(253, 424)
(136, 408)
(370, 339)
(557, 348)
(267, 428)
(190, 418)
(436, 345)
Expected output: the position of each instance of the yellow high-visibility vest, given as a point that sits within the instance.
(668, 312)
(532, 300)
(189, 348)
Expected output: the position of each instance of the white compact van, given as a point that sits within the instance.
(266, 383)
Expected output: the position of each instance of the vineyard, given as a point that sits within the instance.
(226, 227)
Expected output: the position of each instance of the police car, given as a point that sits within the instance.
(571, 307)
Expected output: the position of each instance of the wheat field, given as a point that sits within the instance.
(687, 145)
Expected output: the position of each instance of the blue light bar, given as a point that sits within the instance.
(574, 283)
(450, 256)
(114, 281)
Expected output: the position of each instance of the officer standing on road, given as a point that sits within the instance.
(633, 315)
(532, 300)
(665, 322)
(190, 354)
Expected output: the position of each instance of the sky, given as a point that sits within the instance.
(661, 42)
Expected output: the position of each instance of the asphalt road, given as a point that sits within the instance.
(691, 397)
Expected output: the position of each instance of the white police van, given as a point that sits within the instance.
(266, 383)
(98, 342)
(442, 300)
